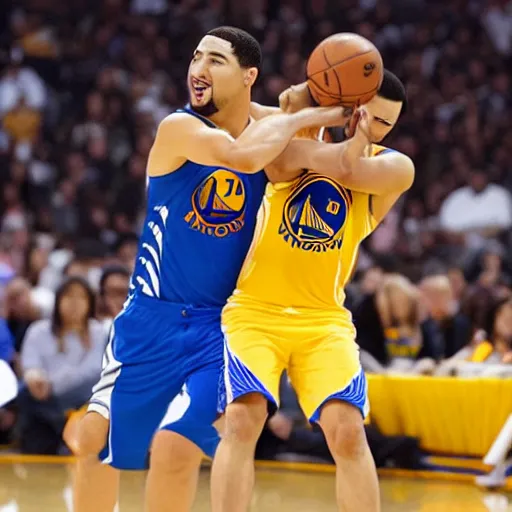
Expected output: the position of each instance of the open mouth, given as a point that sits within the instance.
(199, 88)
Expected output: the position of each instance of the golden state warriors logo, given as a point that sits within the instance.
(315, 213)
(218, 204)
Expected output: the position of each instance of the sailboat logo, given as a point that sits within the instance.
(218, 204)
(316, 210)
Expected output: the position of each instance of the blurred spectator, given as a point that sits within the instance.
(479, 211)
(449, 329)
(388, 329)
(489, 354)
(126, 250)
(20, 82)
(458, 284)
(113, 293)
(21, 309)
(287, 436)
(61, 361)
(6, 338)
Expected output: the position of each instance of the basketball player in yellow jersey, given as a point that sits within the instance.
(287, 311)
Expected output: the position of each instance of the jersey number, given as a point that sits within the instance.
(333, 207)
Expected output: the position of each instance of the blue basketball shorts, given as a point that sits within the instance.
(161, 370)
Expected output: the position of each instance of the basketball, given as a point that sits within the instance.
(344, 69)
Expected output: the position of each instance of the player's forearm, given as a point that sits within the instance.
(260, 111)
(263, 141)
(351, 152)
(338, 161)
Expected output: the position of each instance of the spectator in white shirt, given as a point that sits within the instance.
(480, 210)
(21, 82)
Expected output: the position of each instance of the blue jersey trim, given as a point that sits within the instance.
(384, 151)
(187, 110)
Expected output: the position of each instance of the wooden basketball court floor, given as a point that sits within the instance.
(47, 488)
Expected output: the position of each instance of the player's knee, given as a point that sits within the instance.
(245, 418)
(92, 435)
(344, 432)
(173, 453)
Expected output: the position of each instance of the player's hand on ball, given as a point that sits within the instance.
(295, 98)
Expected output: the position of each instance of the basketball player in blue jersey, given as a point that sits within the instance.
(205, 186)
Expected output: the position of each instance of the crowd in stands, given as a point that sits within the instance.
(83, 86)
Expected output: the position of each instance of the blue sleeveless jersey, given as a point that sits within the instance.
(199, 226)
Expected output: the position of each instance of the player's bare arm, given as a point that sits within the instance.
(181, 137)
(260, 111)
(293, 99)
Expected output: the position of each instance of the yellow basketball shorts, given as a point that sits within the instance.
(317, 349)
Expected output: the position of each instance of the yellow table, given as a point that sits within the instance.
(459, 416)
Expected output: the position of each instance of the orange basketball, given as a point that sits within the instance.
(344, 69)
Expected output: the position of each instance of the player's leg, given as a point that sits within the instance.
(135, 394)
(185, 433)
(357, 486)
(332, 392)
(96, 485)
(253, 366)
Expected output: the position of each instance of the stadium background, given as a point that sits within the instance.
(83, 86)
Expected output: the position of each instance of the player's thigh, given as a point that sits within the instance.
(134, 394)
(254, 362)
(193, 412)
(328, 368)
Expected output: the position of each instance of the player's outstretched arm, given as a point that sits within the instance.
(181, 137)
(291, 100)
(346, 163)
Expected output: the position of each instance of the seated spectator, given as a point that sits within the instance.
(388, 329)
(7, 416)
(446, 326)
(287, 436)
(479, 211)
(458, 284)
(21, 309)
(6, 338)
(126, 250)
(114, 283)
(488, 355)
(61, 361)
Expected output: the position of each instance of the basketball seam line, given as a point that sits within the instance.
(335, 74)
(350, 58)
(334, 96)
(339, 84)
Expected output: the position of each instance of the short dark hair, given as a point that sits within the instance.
(245, 47)
(112, 270)
(126, 239)
(393, 89)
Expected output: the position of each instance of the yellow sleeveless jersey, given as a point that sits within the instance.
(305, 246)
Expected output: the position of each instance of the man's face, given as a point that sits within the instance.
(385, 114)
(215, 76)
(478, 181)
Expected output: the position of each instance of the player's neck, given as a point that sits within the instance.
(233, 118)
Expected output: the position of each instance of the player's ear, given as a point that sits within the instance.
(250, 76)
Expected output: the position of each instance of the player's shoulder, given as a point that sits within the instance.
(185, 124)
(179, 119)
(398, 157)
